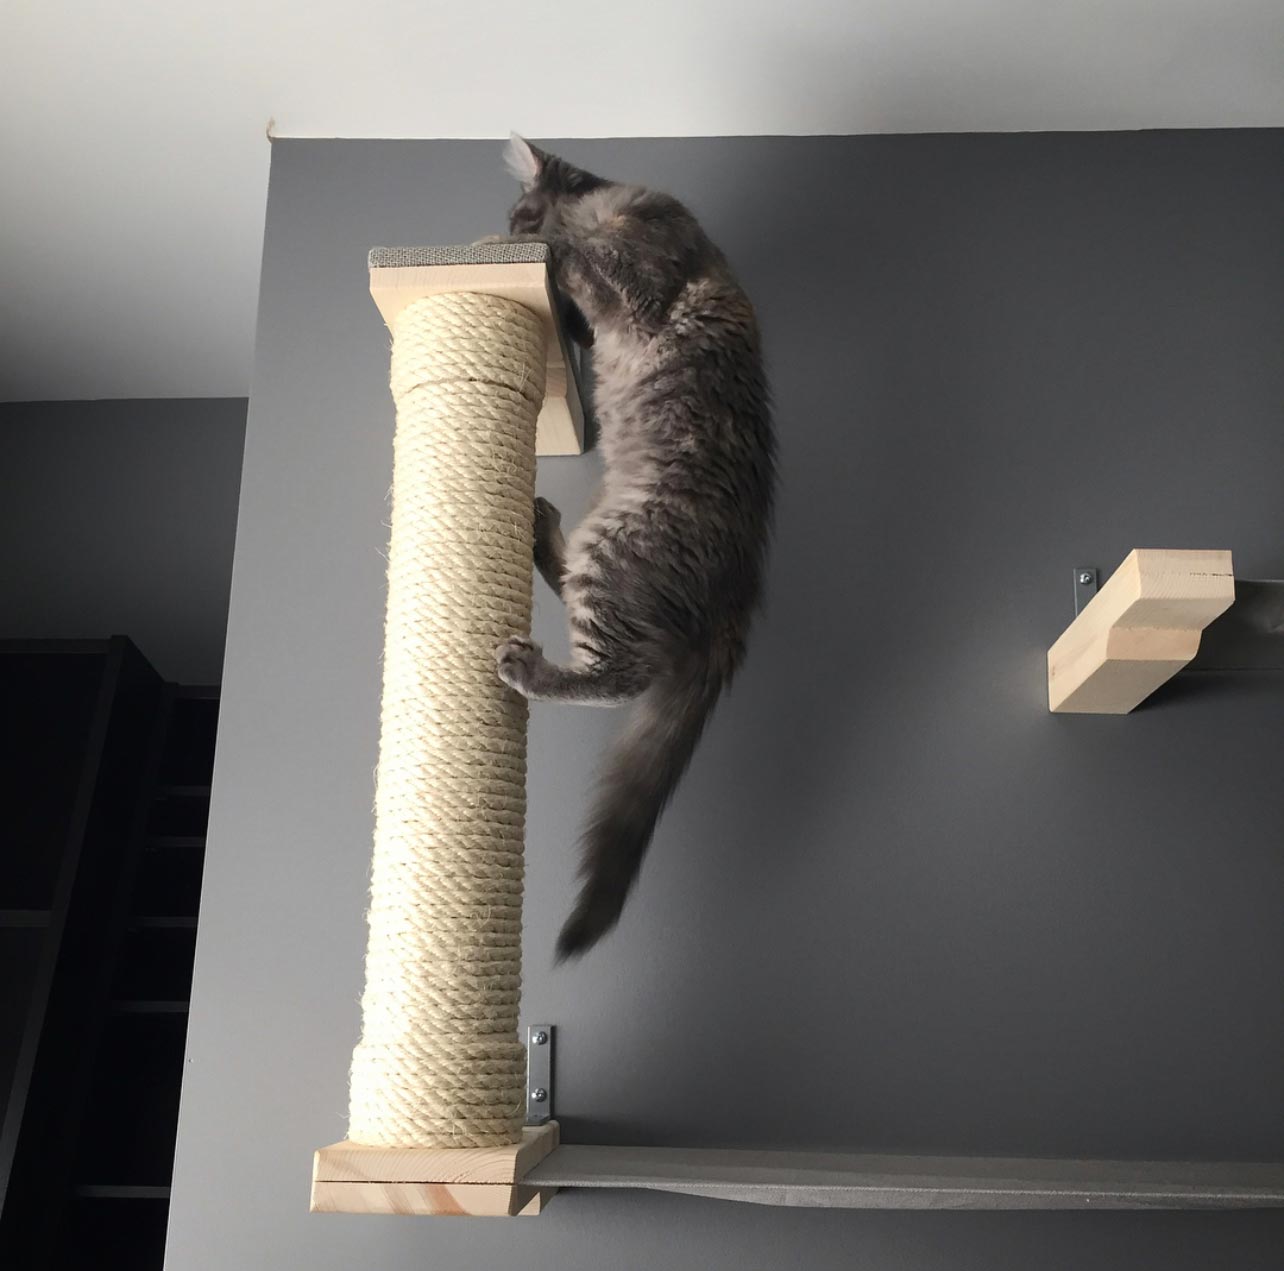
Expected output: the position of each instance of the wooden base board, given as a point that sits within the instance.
(423, 1200)
(482, 1182)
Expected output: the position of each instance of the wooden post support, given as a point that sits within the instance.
(481, 1182)
(1139, 630)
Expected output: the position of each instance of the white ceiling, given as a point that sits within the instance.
(133, 156)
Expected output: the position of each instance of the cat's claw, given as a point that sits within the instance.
(516, 660)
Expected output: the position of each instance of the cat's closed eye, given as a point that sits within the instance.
(526, 217)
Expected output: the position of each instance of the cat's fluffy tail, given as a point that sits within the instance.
(638, 779)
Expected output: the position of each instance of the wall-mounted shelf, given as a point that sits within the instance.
(836, 1181)
(1139, 630)
(520, 1180)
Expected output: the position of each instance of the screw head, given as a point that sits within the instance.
(539, 1094)
(540, 1038)
(1085, 577)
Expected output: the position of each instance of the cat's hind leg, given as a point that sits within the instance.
(550, 545)
(523, 666)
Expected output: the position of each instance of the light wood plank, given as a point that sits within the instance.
(841, 1181)
(560, 430)
(1139, 630)
(451, 1200)
(347, 1162)
(481, 1181)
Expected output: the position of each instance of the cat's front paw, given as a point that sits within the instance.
(490, 238)
(516, 660)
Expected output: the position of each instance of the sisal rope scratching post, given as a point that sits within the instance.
(439, 1064)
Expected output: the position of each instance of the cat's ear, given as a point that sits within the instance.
(524, 161)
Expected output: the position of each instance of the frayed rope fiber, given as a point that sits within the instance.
(439, 1063)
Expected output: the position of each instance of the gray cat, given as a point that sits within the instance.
(662, 578)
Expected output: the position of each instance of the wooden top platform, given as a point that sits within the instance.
(517, 271)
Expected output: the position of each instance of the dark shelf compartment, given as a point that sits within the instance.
(169, 879)
(189, 746)
(105, 775)
(132, 1115)
(109, 1233)
(20, 951)
(24, 918)
(179, 814)
(156, 965)
(144, 1007)
(49, 707)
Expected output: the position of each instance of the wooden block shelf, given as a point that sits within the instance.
(480, 1182)
(1139, 630)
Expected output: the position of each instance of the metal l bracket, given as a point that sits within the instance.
(539, 1073)
(1085, 586)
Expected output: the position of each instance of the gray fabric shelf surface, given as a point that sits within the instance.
(837, 1181)
(501, 253)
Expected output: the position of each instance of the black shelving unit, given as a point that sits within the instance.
(99, 896)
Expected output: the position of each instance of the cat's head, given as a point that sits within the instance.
(546, 181)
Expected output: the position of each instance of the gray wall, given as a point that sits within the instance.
(119, 517)
(897, 905)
